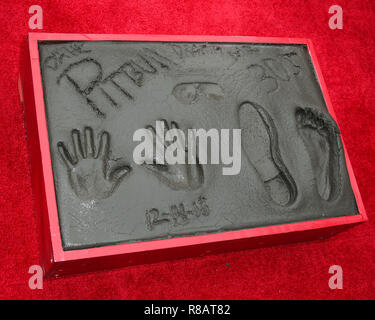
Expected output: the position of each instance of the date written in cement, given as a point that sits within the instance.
(177, 216)
(192, 309)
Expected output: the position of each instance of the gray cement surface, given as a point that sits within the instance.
(98, 93)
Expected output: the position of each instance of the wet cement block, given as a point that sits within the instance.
(98, 93)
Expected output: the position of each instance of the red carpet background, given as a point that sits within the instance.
(296, 271)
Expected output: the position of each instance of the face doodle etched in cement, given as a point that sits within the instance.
(188, 93)
(292, 165)
(88, 170)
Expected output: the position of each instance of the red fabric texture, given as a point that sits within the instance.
(296, 271)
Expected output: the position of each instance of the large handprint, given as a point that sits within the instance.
(88, 171)
(177, 176)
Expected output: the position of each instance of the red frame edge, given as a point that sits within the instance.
(57, 262)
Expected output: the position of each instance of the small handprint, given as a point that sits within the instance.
(186, 176)
(88, 171)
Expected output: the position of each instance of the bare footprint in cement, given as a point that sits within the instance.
(321, 137)
(260, 143)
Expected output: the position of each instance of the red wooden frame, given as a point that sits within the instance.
(57, 262)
